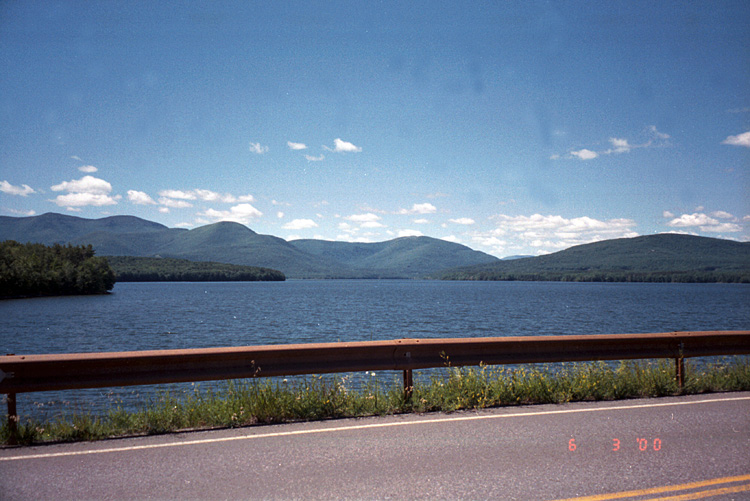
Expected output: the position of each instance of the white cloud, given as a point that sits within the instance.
(704, 222)
(89, 169)
(696, 219)
(462, 220)
(552, 232)
(372, 224)
(425, 208)
(584, 154)
(622, 145)
(164, 210)
(212, 196)
(363, 218)
(451, 238)
(296, 146)
(85, 199)
(175, 204)
(722, 215)
(422, 221)
(619, 145)
(181, 195)
(241, 213)
(23, 191)
(87, 184)
(258, 149)
(311, 158)
(738, 140)
(205, 195)
(140, 198)
(276, 202)
(87, 191)
(29, 212)
(300, 224)
(280, 215)
(659, 135)
(667, 214)
(340, 146)
(410, 233)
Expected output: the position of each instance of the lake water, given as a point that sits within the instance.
(148, 316)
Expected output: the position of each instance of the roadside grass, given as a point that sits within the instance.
(259, 401)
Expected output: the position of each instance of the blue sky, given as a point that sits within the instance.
(510, 127)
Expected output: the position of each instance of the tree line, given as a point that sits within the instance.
(698, 276)
(148, 269)
(29, 270)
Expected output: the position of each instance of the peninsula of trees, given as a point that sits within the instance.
(146, 269)
(30, 270)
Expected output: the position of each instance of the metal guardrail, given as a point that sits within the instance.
(29, 373)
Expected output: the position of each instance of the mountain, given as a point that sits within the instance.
(402, 257)
(51, 228)
(663, 257)
(233, 243)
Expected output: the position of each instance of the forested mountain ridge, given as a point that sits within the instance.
(233, 243)
(663, 257)
(405, 256)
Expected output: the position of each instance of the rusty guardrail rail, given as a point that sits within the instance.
(29, 373)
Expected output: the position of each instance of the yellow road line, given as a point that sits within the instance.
(673, 488)
(706, 494)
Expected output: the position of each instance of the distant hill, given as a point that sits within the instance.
(234, 243)
(654, 258)
(402, 257)
(153, 269)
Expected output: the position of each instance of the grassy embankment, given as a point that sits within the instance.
(251, 402)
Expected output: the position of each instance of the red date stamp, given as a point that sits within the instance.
(643, 444)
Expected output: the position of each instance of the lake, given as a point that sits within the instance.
(152, 316)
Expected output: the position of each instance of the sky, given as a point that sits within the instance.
(516, 128)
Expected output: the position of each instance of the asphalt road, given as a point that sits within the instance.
(671, 448)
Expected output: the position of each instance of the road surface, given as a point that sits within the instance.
(690, 447)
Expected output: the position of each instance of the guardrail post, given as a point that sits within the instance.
(12, 418)
(408, 384)
(679, 364)
(679, 368)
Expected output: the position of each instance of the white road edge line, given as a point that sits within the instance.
(363, 427)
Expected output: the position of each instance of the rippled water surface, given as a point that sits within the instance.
(146, 316)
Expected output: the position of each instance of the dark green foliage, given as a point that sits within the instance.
(144, 269)
(653, 258)
(37, 270)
